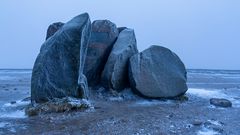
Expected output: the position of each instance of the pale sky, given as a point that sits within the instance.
(204, 33)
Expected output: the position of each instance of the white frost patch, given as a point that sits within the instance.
(203, 93)
(3, 124)
(151, 103)
(214, 122)
(206, 131)
(18, 103)
(14, 114)
(116, 99)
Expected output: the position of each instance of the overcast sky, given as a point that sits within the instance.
(204, 33)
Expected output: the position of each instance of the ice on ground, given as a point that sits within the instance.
(204, 93)
(116, 99)
(151, 102)
(206, 131)
(13, 114)
(214, 122)
(18, 103)
(3, 124)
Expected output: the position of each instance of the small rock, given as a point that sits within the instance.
(13, 102)
(189, 126)
(197, 122)
(220, 102)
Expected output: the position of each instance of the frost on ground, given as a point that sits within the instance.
(206, 131)
(14, 110)
(207, 94)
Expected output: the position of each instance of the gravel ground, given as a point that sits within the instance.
(126, 113)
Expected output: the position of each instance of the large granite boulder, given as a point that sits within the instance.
(104, 34)
(157, 72)
(58, 69)
(115, 73)
(53, 28)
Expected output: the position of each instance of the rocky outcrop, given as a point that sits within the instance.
(53, 28)
(115, 73)
(104, 34)
(220, 102)
(157, 72)
(58, 69)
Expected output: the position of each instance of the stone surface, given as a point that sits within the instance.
(115, 73)
(104, 34)
(221, 102)
(157, 72)
(53, 28)
(58, 69)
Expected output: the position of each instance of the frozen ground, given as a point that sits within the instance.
(126, 113)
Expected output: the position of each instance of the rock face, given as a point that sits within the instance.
(104, 34)
(115, 73)
(53, 28)
(157, 73)
(58, 69)
(220, 102)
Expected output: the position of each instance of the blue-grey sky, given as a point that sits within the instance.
(204, 33)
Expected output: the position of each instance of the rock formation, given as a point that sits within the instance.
(58, 69)
(104, 34)
(115, 73)
(157, 72)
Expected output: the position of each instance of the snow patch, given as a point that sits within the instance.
(3, 124)
(151, 102)
(14, 114)
(18, 103)
(206, 131)
(204, 93)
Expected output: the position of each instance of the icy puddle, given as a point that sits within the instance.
(207, 94)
